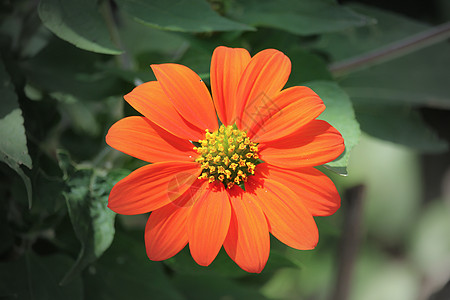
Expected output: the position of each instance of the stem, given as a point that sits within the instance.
(123, 60)
(350, 242)
(408, 45)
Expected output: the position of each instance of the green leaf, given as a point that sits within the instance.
(125, 272)
(187, 16)
(79, 23)
(81, 75)
(223, 266)
(183, 263)
(139, 38)
(306, 66)
(35, 277)
(399, 124)
(302, 17)
(48, 187)
(81, 115)
(87, 198)
(206, 287)
(198, 59)
(384, 94)
(13, 143)
(339, 113)
(6, 233)
(419, 78)
(389, 28)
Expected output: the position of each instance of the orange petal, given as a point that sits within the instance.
(139, 137)
(314, 144)
(247, 242)
(166, 230)
(262, 80)
(316, 191)
(227, 66)
(188, 93)
(288, 218)
(152, 186)
(150, 100)
(289, 111)
(208, 225)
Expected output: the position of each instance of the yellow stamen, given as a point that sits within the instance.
(227, 155)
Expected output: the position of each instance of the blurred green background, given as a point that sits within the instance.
(381, 67)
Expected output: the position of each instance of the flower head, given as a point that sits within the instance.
(231, 182)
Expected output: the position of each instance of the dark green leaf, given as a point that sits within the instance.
(6, 234)
(302, 17)
(61, 68)
(419, 78)
(13, 143)
(389, 28)
(78, 22)
(87, 198)
(384, 93)
(306, 66)
(47, 193)
(37, 278)
(187, 16)
(199, 60)
(223, 265)
(399, 124)
(81, 115)
(206, 287)
(139, 38)
(339, 113)
(183, 263)
(125, 272)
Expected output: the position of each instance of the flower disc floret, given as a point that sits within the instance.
(227, 155)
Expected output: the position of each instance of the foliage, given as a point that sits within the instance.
(64, 67)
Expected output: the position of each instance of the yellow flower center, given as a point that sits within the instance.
(227, 155)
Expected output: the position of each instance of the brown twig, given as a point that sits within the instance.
(350, 242)
(411, 44)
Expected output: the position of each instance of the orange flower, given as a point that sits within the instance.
(230, 183)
